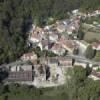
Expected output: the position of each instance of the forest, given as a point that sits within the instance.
(16, 16)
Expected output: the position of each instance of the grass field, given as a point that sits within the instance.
(89, 36)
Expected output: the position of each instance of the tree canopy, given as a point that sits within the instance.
(89, 52)
(97, 56)
(14, 22)
(17, 15)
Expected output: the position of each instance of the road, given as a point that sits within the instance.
(83, 59)
(77, 58)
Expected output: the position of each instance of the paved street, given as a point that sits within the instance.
(83, 59)
(77, 58)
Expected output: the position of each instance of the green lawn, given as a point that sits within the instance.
(89, 36)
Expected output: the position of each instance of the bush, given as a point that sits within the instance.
(89, 53)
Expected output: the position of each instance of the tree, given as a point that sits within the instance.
(88, 70)
(75, 51)
(38, 21)
(73, 62)
(14, 23)
(75, 82)
(89, 53)
(79, 73)
(80, 34)
(97, 57)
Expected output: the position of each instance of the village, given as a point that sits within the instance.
(60, 40)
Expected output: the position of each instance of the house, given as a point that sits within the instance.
(39, 30)
(84, 15)
(94, 13)
(20, 77)
(63, 61)
(43, 44)
(82, 43)
(20, 73)
(96, 45)
(69, 45)
(69, 31)
(46, 44)
(53, 61)
(18, 68)
(37, 35)
(77, 24)
(35, 38)
(43, 60)
(40, 45)
(48, 27)
(95, 75)
(97, 12)
(53, 37)
(39, 69)
(66, 22)
(58, 49)
(74, 26)
(29, 56)
(71, 28)
(61, 28)
(75, 12)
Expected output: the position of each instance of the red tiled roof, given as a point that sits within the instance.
(96, 44)
(20, 76)
(68, 43)
(28, 54)
(96, 74)
(38, 29)
(56, 47)
(35, 35)
(45, 42)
